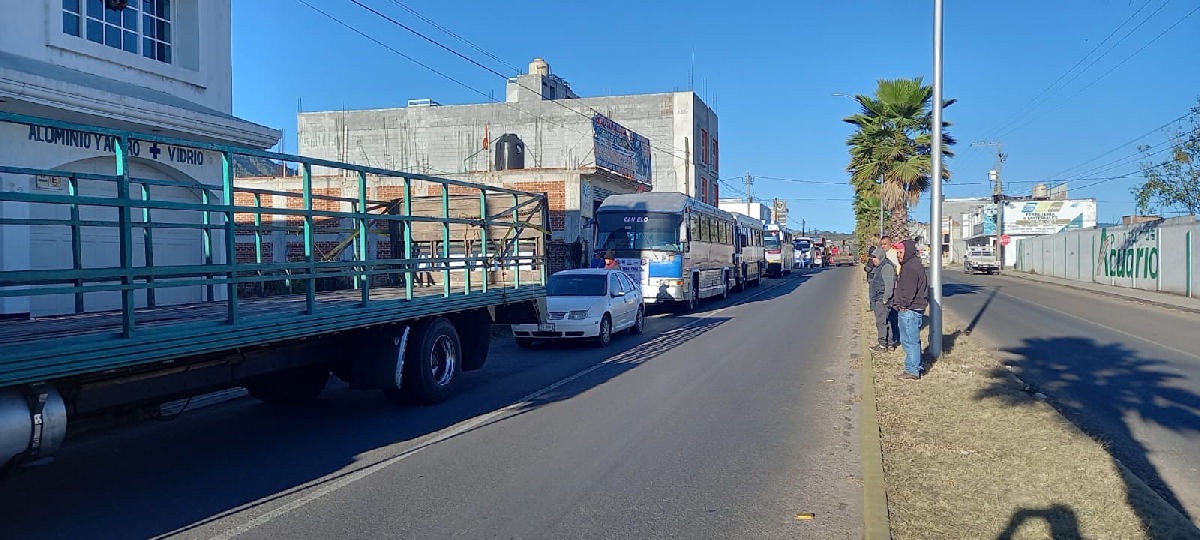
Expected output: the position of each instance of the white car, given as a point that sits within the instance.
(587, 304)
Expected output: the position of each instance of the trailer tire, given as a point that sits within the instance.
(432, 363)
(290, 387)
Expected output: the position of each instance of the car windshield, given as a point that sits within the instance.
(576, 285)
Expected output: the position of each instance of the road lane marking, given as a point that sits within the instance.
(338, 480)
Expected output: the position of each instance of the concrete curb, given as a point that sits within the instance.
(875, 509)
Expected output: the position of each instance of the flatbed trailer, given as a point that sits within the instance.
(394, 293)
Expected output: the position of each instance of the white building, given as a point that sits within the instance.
(153, 66)
(755, 209)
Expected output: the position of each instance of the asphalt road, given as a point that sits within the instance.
(725, 423)
(1128, 373)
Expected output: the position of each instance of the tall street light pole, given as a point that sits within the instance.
(935, 203)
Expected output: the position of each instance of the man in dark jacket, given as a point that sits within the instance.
(883, 280)
(909, 299)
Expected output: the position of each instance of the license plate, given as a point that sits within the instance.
(546, 327)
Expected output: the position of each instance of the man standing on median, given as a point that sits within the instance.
(909, 299)
(883, 281)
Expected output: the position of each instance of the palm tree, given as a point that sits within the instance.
(890, 153)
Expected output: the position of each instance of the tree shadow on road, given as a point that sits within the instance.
(1097, 387)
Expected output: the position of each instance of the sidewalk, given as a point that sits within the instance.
(1167, 300)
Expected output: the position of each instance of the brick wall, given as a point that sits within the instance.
(247, 199)
(556, 199)
(556, 256)
(245, 252)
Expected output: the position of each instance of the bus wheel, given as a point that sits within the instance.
(689, 304)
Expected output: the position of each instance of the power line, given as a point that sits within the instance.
(802, 181)
(1142, 48)
(394, 50)
(670, 151)
(1128, 159)
(427, 38)
(454, 35)
(1123, 145)
(1033, 104)
(1118, 65)
(459, 82)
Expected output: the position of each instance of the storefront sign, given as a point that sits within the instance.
(108, 143)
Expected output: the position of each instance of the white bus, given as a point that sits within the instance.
(680, 249)
(779, 248)
(803, 254)
(750, 259)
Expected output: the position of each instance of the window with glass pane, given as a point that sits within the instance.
(141, 27)
(70, 17)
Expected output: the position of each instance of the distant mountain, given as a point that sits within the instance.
(244, 166)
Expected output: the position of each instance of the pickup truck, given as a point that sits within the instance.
(981, 259)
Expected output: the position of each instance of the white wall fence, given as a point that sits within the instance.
(1157, 256)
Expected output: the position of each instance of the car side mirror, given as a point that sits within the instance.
(618, 294)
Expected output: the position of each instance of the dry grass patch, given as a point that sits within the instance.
(968, 454)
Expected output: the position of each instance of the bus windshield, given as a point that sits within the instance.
(803, 245)
(637, 231)
(771, 240)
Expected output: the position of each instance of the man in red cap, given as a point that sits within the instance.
(909, 299)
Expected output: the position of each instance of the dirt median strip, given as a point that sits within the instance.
(967, 453)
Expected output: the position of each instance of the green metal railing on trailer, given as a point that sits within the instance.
(489, 252)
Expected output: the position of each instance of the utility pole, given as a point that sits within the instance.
(749, 189)
(997, 179)
(935, 201)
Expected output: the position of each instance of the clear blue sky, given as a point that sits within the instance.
(1038, 76)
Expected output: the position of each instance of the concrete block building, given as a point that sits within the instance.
(552, 130)
(160, 66)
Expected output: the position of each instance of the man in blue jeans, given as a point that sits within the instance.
(909, 299)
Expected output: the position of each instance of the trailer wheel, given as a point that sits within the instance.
(432, 363)
(290, 387)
